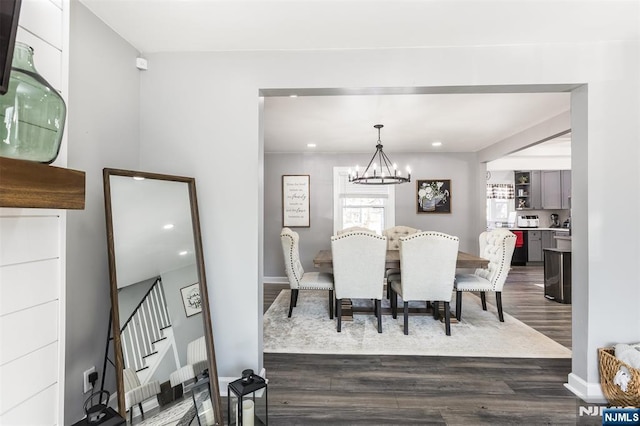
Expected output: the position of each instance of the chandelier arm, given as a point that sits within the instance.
(387, 162)
(370, 162)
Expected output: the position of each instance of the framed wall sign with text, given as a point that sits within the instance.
(295, 201)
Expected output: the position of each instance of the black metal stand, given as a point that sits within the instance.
(106, 353)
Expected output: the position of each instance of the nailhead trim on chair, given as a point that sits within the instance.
(291, 246)
(503, 263)
(419, 234)
(504, 266)
(367, 234)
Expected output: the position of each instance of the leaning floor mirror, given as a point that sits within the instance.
(162, 335)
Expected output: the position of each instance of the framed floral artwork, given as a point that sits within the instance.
(191, 299)
(433, 196)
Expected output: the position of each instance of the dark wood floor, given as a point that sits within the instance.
(393, 390)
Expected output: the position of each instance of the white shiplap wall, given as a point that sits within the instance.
(32, 260)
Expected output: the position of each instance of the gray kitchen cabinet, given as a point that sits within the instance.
(536, 190)
(547, 239)
(565, 182)
(534, 246)
(551, 189)
(527, 188)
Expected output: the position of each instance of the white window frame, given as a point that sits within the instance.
(342, 188)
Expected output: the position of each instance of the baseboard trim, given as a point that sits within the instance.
(588, 392)
(275, 280)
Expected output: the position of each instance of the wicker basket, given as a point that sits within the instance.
(609, 366)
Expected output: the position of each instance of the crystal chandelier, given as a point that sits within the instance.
(388, 173)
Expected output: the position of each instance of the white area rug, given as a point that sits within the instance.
(171, 416)
(479, 334)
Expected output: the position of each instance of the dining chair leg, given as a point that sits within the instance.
(406, 318)
(499, 304)
(339, 313)
(458, 305)
(131, 415)
(394, 304)
(436, 314)
(295, 300)
(292, 302)
(330, 304)
(483, 298)
(447, 319)
(379, 310)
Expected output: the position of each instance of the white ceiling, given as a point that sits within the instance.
(461, 122)
(223, 25)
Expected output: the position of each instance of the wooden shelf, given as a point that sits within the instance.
(29, 184)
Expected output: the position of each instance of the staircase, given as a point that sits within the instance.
(147, 332)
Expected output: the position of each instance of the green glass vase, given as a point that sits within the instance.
(32, 112)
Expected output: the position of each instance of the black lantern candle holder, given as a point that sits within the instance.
(247, 403)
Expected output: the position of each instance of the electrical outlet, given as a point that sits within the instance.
(85, 377)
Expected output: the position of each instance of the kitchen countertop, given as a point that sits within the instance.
(558, 250)
(540, 229)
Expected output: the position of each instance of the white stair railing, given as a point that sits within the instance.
(144, 327)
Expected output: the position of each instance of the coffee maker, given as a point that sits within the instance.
(555, 221)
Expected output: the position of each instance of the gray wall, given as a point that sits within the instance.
(457, 167)
(185, 329)
(103, 131)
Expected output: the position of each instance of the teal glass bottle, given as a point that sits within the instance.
(32, 113)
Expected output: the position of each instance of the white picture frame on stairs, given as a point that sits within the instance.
(191, 299)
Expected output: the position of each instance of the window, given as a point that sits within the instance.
(369, 206)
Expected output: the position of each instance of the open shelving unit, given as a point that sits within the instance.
(523, 190)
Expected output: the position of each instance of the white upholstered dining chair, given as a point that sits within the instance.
(393, 235)
(497, 246)
(355, 228)
(135, 392)
(298, 278)
(428, 264)
(197, 362)
(358, 269)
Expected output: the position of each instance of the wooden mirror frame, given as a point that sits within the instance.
(206, 315)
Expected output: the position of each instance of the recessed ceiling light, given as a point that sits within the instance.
(138, 178)
(168, 226)
(183, 253)
(436, 144)
(293, 96)
(311, 145)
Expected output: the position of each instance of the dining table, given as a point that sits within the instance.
(323, 260)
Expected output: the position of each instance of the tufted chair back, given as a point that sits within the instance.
(354, 228)
(497, 246)
(394, 234)
(428, 265)
(358, 264)
(292, 263)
